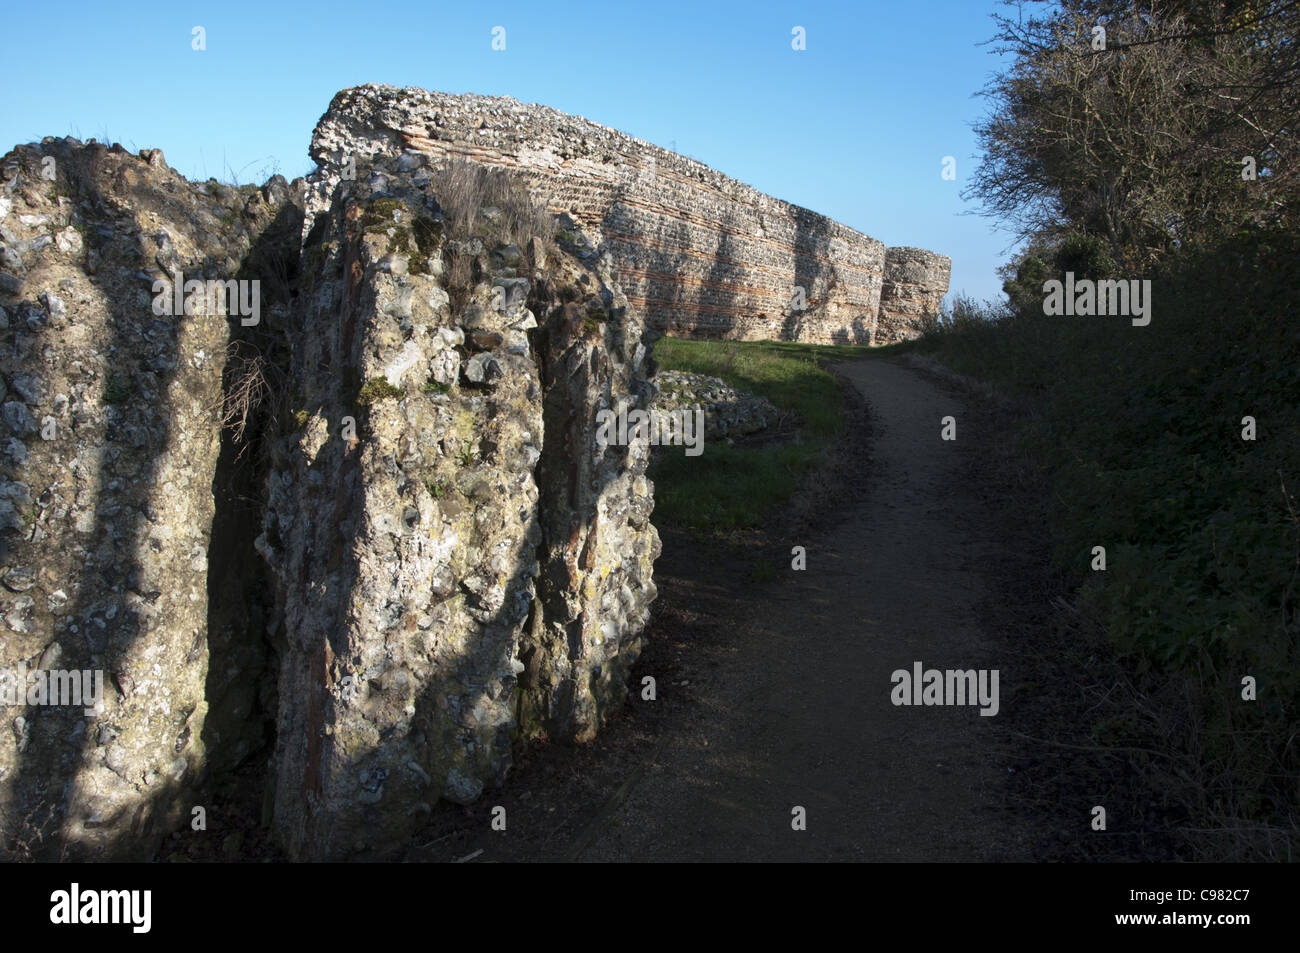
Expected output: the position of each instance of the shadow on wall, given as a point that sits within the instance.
(142, 351)
(719, 287)
(242, 661)
(671, 317)
(110, 787)
(658, 252)
(323, 560)
(344, 793)
(571, 483)
(811, 247)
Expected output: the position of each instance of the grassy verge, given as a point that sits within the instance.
(729, 487)
(1138, 434)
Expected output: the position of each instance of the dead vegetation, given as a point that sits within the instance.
(494, 207)
(491, 204)
(22, 841)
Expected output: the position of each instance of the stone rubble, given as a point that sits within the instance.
(727, 411)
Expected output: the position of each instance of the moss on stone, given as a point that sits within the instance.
(118, 389)
(377, 390)
(380, 214)
(426, 232)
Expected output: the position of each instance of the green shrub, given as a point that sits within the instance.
(1138, 432)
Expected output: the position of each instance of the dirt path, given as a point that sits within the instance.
(795, 708)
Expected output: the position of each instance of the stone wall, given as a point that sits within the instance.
(112, 419)
(417, 555)
(409, 549)
(699, 253)
(915, 282)
(464, 566)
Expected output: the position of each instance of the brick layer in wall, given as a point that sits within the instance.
(698, 252)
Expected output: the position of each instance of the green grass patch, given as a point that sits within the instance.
(728, 487)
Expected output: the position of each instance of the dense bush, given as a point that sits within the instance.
(1139, 434)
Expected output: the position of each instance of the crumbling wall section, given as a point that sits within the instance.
(459, 565)
(111, 416)
(915, 282)
(698, 253)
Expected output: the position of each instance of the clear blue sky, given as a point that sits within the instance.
(855, 126)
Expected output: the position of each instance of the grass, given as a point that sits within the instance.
(465, 189)
(728, 487)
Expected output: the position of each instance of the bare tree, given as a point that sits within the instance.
(1138, 135)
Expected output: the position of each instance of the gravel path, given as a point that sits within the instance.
(797, 709)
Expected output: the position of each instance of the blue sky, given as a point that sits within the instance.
(855, 126)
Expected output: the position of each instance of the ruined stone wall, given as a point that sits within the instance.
(421, 551)
(915, 282)
(402, 525)
(111, 423)
(460, 564)
(699, 253)
(449, 560)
